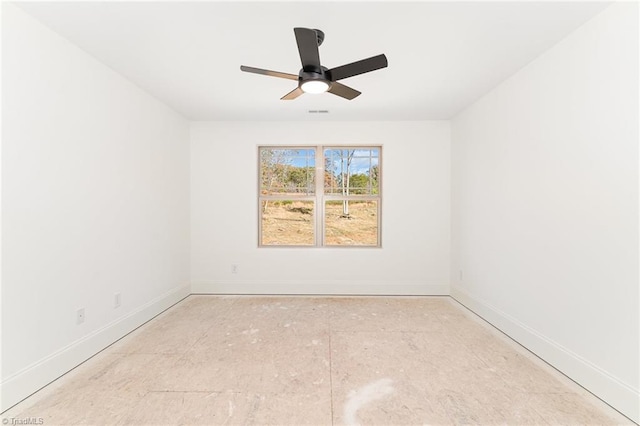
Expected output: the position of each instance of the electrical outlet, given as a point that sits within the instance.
(116, 300)
(234, 269)
(80, 316)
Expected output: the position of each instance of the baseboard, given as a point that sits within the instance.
(605, 386)
(39, 374)
(321, 287)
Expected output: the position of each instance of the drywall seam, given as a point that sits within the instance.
(612, 390)
(30, 379)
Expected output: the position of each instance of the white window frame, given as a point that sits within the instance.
(319, 198)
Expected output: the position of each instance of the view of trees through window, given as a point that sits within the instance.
(335, 204)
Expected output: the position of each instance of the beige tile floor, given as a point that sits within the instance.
(240, 360)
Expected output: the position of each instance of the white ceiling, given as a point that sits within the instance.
(442, 55)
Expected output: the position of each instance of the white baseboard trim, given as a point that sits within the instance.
(29, 380)
(321, 287)
(605, 386)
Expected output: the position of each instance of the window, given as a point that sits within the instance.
(319, 196)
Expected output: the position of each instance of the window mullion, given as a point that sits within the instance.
(319, 208)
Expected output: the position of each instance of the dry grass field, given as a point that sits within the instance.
(293, 224)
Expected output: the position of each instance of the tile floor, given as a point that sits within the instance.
(231, 360)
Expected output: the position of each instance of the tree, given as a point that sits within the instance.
(346, 157)
(375, 174)
(330, 176)
(359, 183)
(300, 178)
(274, 165)
(286, 171)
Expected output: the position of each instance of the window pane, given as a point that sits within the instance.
(287, 222)
(287, 171)
(351, 223)
(352, 171)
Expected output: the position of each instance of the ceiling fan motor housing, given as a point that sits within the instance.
(321, 74)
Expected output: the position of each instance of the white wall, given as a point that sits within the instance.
(545, 206)
(95, 199)
(415, 217)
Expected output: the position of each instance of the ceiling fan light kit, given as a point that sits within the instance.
(313, 77)
(314, 86)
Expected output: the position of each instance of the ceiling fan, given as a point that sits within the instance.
(313, 77)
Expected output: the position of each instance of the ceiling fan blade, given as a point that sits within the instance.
(359, 67)
(292, 94)
(343, 91)
(268, 72)
(308, 47)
